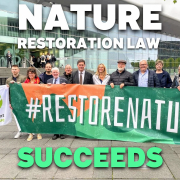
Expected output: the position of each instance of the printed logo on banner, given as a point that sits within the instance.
(1, 102)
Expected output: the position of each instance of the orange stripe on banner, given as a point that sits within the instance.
(38, 90)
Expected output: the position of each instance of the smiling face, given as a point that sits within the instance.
(143, 66)
(101, 68)
(31, 75)
(81, 66)
(55, 73)
(121, 66)
(68, 69)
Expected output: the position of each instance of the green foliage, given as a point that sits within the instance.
(174, 1)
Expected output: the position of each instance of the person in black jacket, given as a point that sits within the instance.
(45, 76)
(163, 76)
(68, 73)
(9, 59)
(121, 76)
(145, 77)
(81, 76)
(176, 80)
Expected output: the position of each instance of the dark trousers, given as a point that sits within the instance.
(9, 61)
(43, 64)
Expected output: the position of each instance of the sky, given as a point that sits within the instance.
(168, 7)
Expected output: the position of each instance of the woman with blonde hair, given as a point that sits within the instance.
(101, 76)
(32, 78)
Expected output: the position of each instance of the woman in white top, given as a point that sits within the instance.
(101, 77)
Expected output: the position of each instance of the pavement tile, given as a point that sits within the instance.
(5, 150)
(166, 149)
(60, 142)
(173, 163)
(143, 172)
(131, 144)
(80, 142)
(176, 149)
(9, 167)
(104, 143)
(8, 128)
(37, 172)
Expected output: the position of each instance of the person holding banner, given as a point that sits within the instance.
(68, 73)
(145, 77)
(81, 76)
(121, 77)
(176, 80)
(163, 76)
(32, 78)
(47, 74)
(101, 77)
(18, 78)
(57, 80)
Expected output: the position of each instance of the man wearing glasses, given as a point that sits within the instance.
(145, 77)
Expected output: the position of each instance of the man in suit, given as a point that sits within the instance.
(81, 76)
(9, 59)
(57, 80)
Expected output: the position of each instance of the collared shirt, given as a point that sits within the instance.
(57, 80)
(143, 79)
(83, 75)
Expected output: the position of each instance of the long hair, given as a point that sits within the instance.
(105, 71)
(33, 70)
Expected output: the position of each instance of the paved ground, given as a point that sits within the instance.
(9, 159)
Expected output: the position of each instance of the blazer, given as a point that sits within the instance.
(153, 80)
(62, 80)
(88, 79)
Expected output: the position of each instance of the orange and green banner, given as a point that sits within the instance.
(98, 112)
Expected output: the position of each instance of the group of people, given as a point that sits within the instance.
(42, 60)
(144, 77)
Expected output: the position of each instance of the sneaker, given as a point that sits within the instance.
(30, 137)
(17, 135)
(39, 136)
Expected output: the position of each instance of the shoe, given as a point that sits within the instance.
(55, 136)
(62, 136)
(30, 137)
(17, 135)
(39, 136)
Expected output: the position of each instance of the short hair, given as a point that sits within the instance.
(48, 64)
(68, 65)
(55, 68)
(15, 65)
(81, 60)
(160, 61)
(143, 60)
(32, 70)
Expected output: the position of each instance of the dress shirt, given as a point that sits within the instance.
(143, 79)
(57, 80)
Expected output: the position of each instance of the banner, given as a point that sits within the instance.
(98, 112)
(5, 111)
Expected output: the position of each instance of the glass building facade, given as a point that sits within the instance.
(169, 46)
